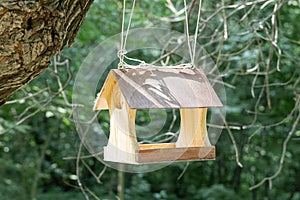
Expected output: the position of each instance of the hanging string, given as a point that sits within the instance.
(196, 32)
(123, 51)
(129, 23)
(142, 64)
(187, 32)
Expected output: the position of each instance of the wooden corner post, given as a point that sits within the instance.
(193, 131)
(122, 143)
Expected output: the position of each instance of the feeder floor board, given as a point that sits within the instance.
(159, 153)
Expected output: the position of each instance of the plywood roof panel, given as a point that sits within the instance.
(164, 88)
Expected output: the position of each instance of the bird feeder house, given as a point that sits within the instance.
(126, 90)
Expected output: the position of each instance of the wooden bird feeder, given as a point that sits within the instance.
(126, 90)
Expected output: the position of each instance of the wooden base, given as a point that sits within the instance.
(173, 154)
(167, 152)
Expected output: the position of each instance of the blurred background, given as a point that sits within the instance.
(256, 48)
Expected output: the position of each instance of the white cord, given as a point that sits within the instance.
(187, 30)
(123, 51)
(142, 64)
(196, 32)
(129, 23)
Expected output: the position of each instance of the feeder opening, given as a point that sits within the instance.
(157, 125)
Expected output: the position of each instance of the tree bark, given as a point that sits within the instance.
(31, 31)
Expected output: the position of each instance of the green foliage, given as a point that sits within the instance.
(216, 192)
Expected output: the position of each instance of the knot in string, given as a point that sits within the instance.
(121, 54)
(142, 64)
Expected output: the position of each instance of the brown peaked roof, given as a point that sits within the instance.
(159, 88)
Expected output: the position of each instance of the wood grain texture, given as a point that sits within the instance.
(124, 91)
(30, 33)
(156, 146)
(122, 142)
(160, 155)
(154, 88)
(104, 97)
(193, 131)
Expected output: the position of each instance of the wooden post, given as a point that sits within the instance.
(122, 142)
(193, 131)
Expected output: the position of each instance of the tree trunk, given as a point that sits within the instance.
(32, 31)
(121, 183)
